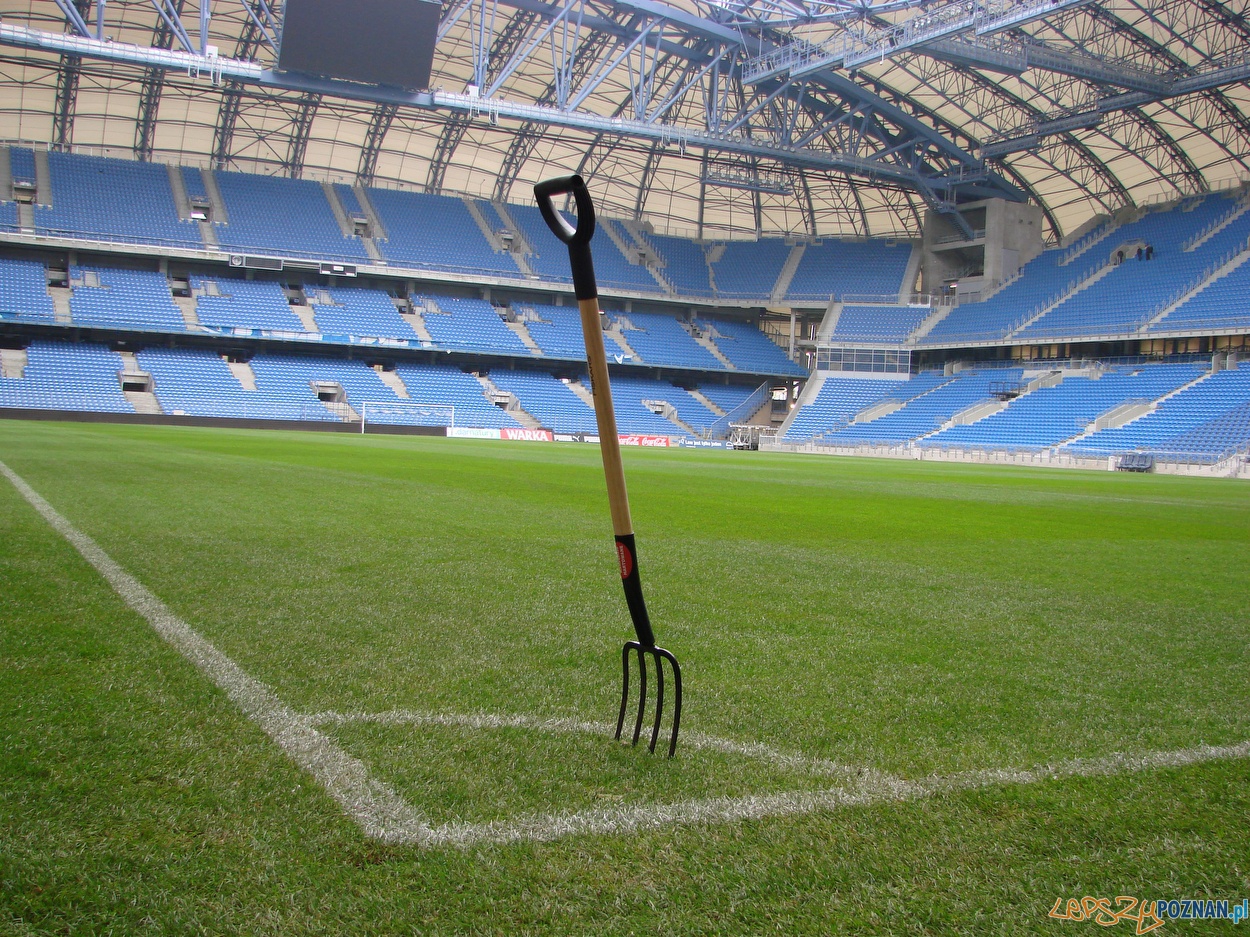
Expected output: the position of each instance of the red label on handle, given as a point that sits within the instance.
(626, 558)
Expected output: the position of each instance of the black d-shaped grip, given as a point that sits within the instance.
(578, 239)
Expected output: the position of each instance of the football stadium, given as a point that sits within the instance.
(901, 345)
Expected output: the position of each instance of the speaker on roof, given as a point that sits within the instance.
(378, 42)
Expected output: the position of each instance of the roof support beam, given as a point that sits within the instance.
(379, 124)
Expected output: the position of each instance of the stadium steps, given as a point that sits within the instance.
(511, 402)
(213, 190)
(787, 272)
(699, 396)
(520, 243)
(393, 381)
(304, 312)
(13, 363)
(26, 218)
(1222, 271)
(521, 332)
(928, 323)
(1241, 207)
(811, 390)
(878, 410)
(371, 213)
(409, 312)
(186, 306)
(1141, 408)
(345, 224)
(43, 178)
(911, 274)
(833, 312)
(177, 185)
(706, 341)
(979, 411)
(6, 175)
(614, 332)
(669, 412)
(583, 392)
(1067, 294)
(60, 303)
(475, 212)
(243, 373)
(143, 401)
(1079, 249)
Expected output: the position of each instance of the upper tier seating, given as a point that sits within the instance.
(660, 339)
(65, 376)
(686, 265)
(748, 348)
(839, 399)
(1122, 300)
(132, 299)
(112, 199)
(274, 215)
(613, 269)
(355, 311)
(22, 165)
(1040, 280)
(557, 330)
(550, 259)
(191, 382)
(1202, 403)
(24, 290)
(435, 232)
(8, 215)
(1222, 305)
(471, 324)
(227, 303)
(878, 323)
(841, 268)
(1050, 415)
(749, 269)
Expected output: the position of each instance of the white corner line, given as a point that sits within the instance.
(379, 811)
(384, 815)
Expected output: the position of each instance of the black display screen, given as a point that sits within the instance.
(379, 42)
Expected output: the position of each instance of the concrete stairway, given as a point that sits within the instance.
(393, 381)
(787, 272)
(13, 363)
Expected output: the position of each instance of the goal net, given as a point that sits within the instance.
(406, 413)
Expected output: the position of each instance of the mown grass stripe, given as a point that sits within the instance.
(379, 811)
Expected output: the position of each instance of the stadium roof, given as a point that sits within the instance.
(726, 117)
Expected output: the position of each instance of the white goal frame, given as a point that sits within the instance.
(444, 411)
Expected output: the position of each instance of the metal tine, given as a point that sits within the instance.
(660, 655)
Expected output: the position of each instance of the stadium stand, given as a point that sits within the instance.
(727, 396)
(877, 323)
(22, 165)
(661, 339)
(24, 290)
(1224, 304)
(747, 348)
(445, 385)
(132, 299)
(1049, 416)
(837, 401)
(1196, 421)
(192, 382)
(557, 330)
(840, 268)
(274, 215)
(686, 266)
(925, 412)
(65, 376)
(227, 302)
(749, 269)
(688, 409)
(356, 311)
(112, 199)
(457, 322)
(613, 269)
(548, 399)
(435, 232)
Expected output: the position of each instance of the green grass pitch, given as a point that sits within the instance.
(862, 619)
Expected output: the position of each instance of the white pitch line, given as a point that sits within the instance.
(384, 815)
(871, 788)
(381, 812)
(865, 785)
(479, 721)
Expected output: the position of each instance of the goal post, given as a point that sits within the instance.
(406, 413)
